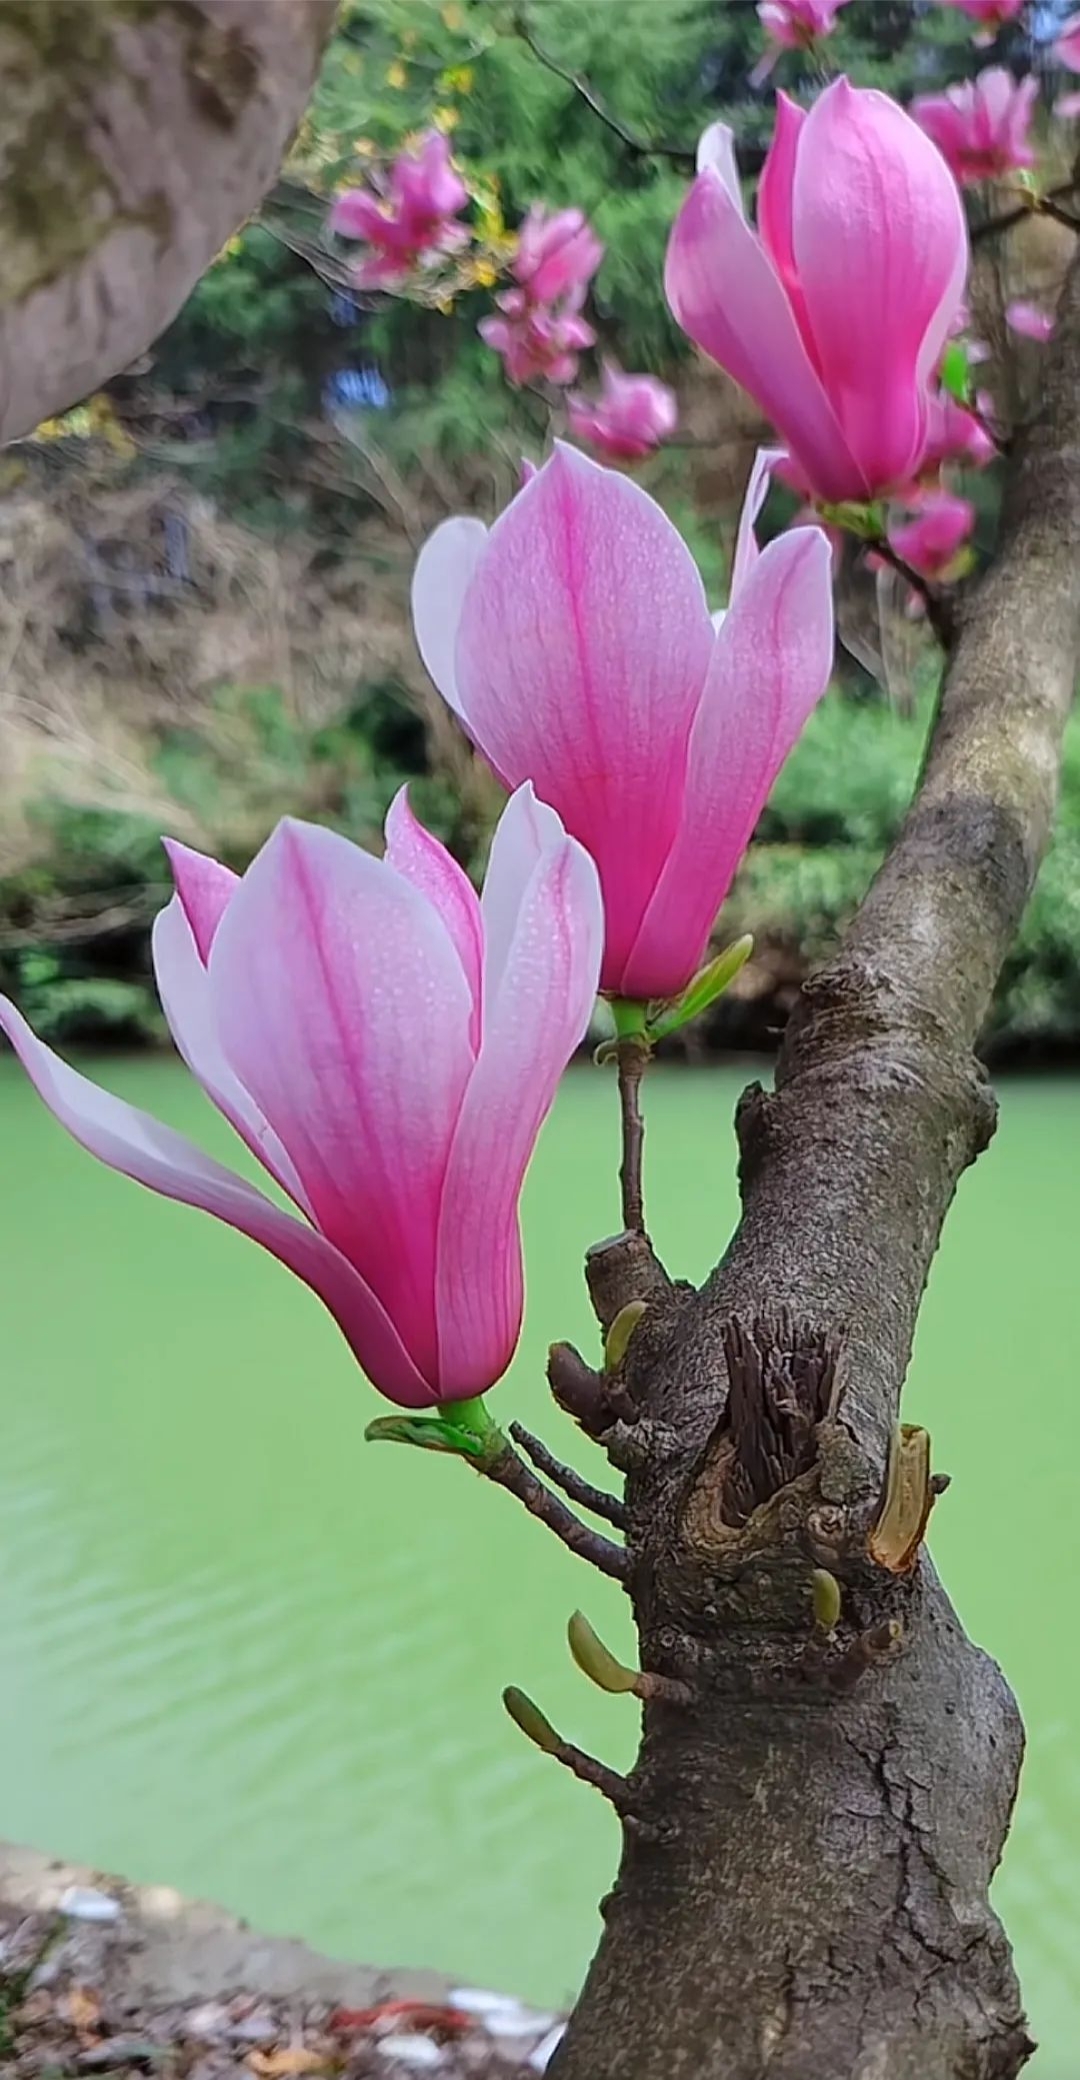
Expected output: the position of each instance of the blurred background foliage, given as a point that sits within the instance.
(204, 570)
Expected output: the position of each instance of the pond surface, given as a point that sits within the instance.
(246, 1654)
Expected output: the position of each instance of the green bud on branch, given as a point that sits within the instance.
(618, 1336)
(530, 1719)
(596, 1661)
(826, 1591)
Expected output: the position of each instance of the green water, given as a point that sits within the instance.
(246, 1654)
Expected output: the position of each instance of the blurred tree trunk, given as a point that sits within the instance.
(804, 1884)
(135, 135)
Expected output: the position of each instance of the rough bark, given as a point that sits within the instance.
(135, 135)
(804, 1896)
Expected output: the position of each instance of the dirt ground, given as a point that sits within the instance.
(99, 1978)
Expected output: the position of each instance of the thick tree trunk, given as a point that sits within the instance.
(135, 135)
(809, 1843)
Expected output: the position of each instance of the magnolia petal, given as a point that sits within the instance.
(204, 887)
(343, 1008)
(716, 151)
(747, 551)
(774, 656)
(130, 1141)
(775, 203)
(535, 1018)
(726, 294)
(875, 205)
(583, 647)
(525, 832)
(413, 852)
(440, 581)
(184, 989)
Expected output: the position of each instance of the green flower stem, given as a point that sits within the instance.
(632, 1052)
(473, 1419)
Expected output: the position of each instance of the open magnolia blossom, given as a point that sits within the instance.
(575, 644)
(792, 25)
(982, 126)
(851, 192)
(540, 331)
(631, 416)
(387, 1044)
(416, 216)
(557, 255)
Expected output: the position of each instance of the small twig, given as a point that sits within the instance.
(621, 1269)
(579, 1389)
(572, 1483)
(938, 610)
(631, 1055)
(588, 1770)
(867, 1651)
(538, 1729)
(990, 226)
(640, 147)
(1060, 216)
(510, 1472)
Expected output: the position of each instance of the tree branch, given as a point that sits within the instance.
(938, 606)
(879, 1103)
(511, 1473)
(990, 226)
(853, 1916)
(573, 1484)
(638, 147)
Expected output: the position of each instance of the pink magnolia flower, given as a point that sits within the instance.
(1067, 47)
(793, 25)
(991, 15)
(957, 435)
(1029, 321)
(558, 253)
(535, 342)
(575, 645)
(630, 418)
(982, 125)
(851, 193)
(1067, 106)
(931, 541)
(415, 216)
(541, 331)
(387, 1045)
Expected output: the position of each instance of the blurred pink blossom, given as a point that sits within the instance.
(415, 215)
(991, 15)
(957, 435)
(1067, 47)
(540, 331)
(931, 541)
(631, 416)
(981, 125)
(536, 342)
(792, 25)
(1029, 321)
(558, 253)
